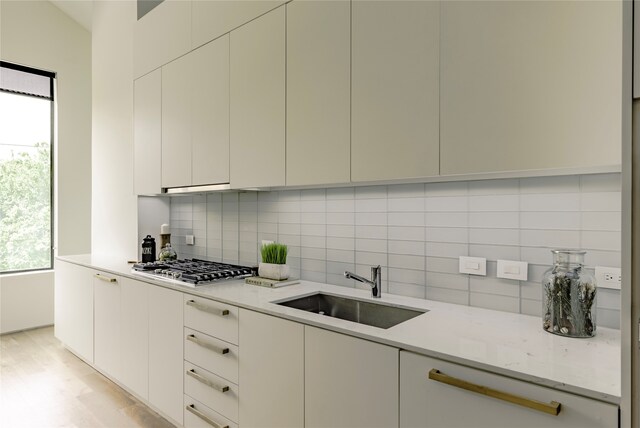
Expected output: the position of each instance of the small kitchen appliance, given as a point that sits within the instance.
(192, 272)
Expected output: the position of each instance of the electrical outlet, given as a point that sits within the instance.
(190, 240)
(608, 277)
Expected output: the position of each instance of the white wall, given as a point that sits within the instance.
(37, 34)
(114, 208)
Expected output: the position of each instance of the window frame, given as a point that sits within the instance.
(52, 98)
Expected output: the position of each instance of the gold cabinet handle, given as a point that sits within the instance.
(204, 380)
(205, 308)
(210, 346)
(191, 408)
(105, 278)
(552, 408)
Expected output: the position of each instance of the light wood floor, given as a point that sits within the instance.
(42, 385)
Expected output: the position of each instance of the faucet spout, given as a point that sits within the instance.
(375, 282)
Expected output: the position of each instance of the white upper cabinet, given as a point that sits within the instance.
(161, 35)
(395, 67)
(211, 19)
(210, 113)
(195, 117)
(529, 85)
(318, 92)
(147, 140)
(258, 102)
(176, 122)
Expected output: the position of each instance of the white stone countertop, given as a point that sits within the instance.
(513, 345)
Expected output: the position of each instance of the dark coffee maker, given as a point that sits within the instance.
(148, 249)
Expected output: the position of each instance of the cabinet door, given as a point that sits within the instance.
(147, 137)
(258, 102)
(73, 316)
(212, 19)
(428, 403)
(349, 382)
(318, 92)
(271, 365)
(519, 91)
(107, 345)
(165, 351)
(161, 35)
(395, 89)
(176, 122)
(134, 336)
(210, 112)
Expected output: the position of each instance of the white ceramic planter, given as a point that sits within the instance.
(273, 271)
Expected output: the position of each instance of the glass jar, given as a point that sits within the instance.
(568, 296)
(167, 253)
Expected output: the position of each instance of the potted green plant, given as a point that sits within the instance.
(274, 262)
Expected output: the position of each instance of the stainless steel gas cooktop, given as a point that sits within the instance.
(193, 271)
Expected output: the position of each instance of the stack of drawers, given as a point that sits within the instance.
(210, 363)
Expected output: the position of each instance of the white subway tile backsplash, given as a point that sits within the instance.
(406, 233)
(566, 184)
(371, 232)
(550, 202)
(447, 234)
(601, 201)
(445, 219)
(414, 248)
(495, 220)
(494, 236)
(418, 232)
(494, 203)
(405, 219)
(494, 187)
(600, 240)
(600, 183)
(406, 205)
(611, 221)
(405, 191)
(447, 203)
(445, 249)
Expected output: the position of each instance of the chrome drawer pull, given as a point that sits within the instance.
(552, 408)
(207, 345)
(205, 308)
(191, 408)
(105, 278)
(206, 381)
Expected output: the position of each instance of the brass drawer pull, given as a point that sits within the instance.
(210, 346)
(191, 408)
(105, 278)
(552, 408)
(206, 381)
(205, 308)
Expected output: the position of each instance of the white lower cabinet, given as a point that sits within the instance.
(442, 403)
(134, 336)
(165, 351)
(271, 371)
(107, 324)
(73, 302)
(349, 382)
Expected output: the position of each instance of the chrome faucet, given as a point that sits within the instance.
(375, 282)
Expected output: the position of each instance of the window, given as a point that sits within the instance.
(26, 168)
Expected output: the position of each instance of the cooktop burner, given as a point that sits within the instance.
(194, 271)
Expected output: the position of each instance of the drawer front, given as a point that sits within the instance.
(441, 401)
(213, 391)
(213, 318)
(214, 355)
(197, 415)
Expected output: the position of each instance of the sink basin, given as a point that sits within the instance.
(363, 312)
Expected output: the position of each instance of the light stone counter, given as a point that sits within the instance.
(510, 344)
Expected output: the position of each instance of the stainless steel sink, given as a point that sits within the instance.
(373, 314)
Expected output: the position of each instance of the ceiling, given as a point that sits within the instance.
(80, 11)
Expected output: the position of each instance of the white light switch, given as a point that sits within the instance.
(473, 265)
(511, 269)
(190, 240)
